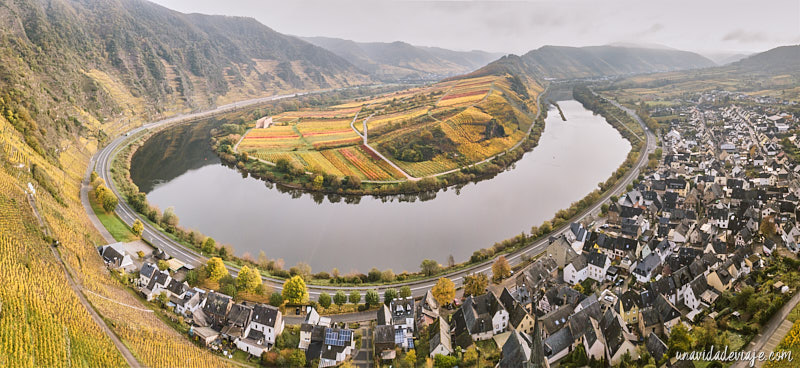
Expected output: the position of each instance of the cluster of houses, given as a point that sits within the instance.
(214, 317)
(689, 231)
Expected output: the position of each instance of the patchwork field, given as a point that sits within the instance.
(423, 131)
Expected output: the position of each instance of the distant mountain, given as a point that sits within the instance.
(784, 59)
(724, 58)
(559, 62)
(400, 60)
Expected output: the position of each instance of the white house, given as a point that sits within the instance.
(598, 264)
(266, 324)
(576, 270)
(115, 256)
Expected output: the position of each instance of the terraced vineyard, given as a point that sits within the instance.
(42, 321)
(424, 131)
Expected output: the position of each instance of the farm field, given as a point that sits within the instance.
(423, 131)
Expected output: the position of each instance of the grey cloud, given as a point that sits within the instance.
(742, 36)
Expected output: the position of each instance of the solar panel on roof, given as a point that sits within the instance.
(337, 337)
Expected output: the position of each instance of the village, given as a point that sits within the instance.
(699, 251)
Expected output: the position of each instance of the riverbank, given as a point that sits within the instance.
(504, 247)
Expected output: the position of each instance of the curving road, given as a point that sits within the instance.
(102, 164)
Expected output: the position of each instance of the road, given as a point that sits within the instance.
(102, 163)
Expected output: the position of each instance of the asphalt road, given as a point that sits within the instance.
(102, 163)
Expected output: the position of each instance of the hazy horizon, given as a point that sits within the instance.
(708, 27)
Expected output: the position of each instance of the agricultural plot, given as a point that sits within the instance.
(424, 130)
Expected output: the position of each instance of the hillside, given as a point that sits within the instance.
(774, 73)
(402, 61)
(136, 58)
(558, 62)
(73, 74)
(784, 59)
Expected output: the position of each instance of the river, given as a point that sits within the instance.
(176, 168)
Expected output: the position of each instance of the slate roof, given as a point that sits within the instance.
(650, 316)
(177, 288)
(516, 351)
(647, 265)
(629, 300)
(655, 346)
(557, 342)
(579, 262)
(597, 259)
(384, 315)
(556, 320)
(216, 303)
(475, 315)
(384, 335)
(666, 311)
(147, 270)
(441, 335)
(266, 315)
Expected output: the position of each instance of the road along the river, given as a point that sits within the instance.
(102, 164)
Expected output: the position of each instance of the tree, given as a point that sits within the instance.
(405, 291)
(429, 267)
(355, 297)
(324, 299)
(387, 276)
(340, 298)
(209, 245)
(475, 284)
(162, 265)
(444, 291)
(137, 227)
(109, 201)
(162, 299)
(389, 295)
(679, 340)
(470, 356)
(276, 299)
(411, 357)
(192, 278)
(248, 279)
(318, 180)
(169, 219)
(215, 269)
(445, 361)
(500, 269)
(295, 358)
(294, 290)
(372, 298)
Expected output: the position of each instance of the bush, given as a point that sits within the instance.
(276, 299)
(324, 300)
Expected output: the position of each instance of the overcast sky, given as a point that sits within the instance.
(520, 26)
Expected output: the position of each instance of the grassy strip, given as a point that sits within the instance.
(118, 229)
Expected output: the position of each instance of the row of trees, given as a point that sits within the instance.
(104, 196)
